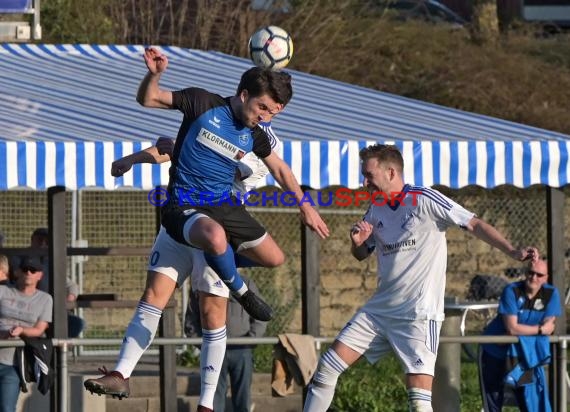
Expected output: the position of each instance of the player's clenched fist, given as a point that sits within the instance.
(360, 232)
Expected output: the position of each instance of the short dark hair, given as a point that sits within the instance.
(41, 231)
(384, 153)
(258, 81)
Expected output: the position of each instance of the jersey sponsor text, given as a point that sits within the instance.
(219, 145)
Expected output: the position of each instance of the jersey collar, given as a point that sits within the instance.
(395, 206)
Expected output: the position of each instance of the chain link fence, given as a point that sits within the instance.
(126, 219)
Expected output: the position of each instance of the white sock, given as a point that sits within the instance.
(419, 400)
(241, 291)
(211, 359)
(138, 337)
(321, 389)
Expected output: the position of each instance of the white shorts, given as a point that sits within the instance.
(178, 261)
(414, 342)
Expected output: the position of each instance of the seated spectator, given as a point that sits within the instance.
(40, 240)
(25, 311)
(528, 307)
(4, 270)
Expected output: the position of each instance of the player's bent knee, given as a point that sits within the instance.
(216, 242)
(213, 316)
(276, 260)
(208, 235)
(158, 296)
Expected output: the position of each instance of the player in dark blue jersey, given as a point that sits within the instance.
(215, 134)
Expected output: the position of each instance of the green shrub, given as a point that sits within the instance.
(372, 388)
(381, 388)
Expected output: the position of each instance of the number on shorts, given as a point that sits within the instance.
(154, 258)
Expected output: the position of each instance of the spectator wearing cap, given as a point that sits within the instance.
(25, 311)
(40, 240)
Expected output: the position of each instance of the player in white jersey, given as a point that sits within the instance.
(406, 312)
(173, 262)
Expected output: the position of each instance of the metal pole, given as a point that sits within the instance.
(64, 378)
(37, 29)
(555, 199)
(447, 381)
(562, 359)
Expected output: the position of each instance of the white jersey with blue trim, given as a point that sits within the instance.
(251, 168)
(411, 249)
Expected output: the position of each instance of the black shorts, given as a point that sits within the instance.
(240, 226)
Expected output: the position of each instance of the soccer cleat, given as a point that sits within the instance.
(203, 409)
(112, 383)
(255, 306)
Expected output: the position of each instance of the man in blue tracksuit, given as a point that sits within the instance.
(526, 308)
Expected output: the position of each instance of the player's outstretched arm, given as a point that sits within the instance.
(284, 176)
(159, 153)
(493, 237)
(149, 93)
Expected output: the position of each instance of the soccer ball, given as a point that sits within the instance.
(271, 47)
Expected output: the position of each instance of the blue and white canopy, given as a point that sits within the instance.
(68, 111)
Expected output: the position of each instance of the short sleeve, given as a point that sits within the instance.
(47, 309)
(261, 144)
(508, 302)
(192, 101)
(446, 211)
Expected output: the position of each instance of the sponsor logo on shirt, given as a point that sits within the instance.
(215, 122)
(219, 145)
(538, 304)
(418, 362)
(403, 246)
(406, 243)
(244, 139)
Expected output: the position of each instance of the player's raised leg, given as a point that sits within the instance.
(204, 232)
(167, 266)
(333, 362)
(138, 337)
(266, 252)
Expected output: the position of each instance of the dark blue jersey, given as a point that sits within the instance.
(210, 142)
(514, 301)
